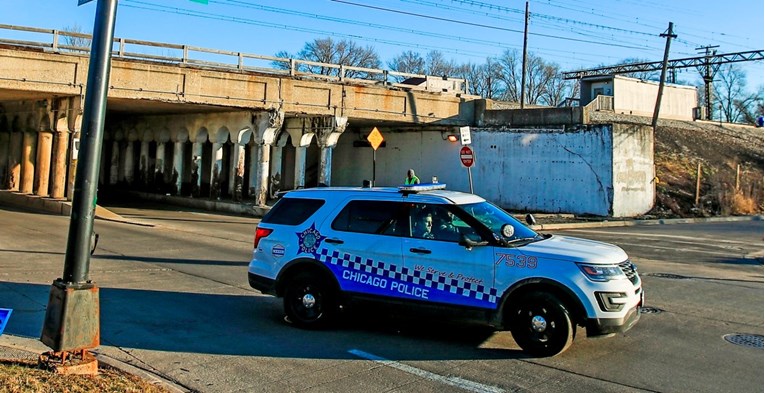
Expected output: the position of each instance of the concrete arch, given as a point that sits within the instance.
(181, 135)
(29, 123)
(132, 135)
(244, 136)
(282, 140)
(163, 135)
(147, 135)
(202, 135)
(45, 123)
(222, 136)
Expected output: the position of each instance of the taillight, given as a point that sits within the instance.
(261, 233)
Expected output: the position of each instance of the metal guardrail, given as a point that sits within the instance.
(60, 41)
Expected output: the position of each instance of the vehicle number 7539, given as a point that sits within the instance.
(513, 260)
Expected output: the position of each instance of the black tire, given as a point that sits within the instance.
(540, 324)
(309, 302)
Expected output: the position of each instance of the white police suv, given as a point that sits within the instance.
(428, 249)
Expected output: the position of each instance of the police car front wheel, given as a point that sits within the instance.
(541, 325)
(308, 302)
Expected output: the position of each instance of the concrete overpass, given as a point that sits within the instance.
(196, 121)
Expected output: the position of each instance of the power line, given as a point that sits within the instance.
(610, 44)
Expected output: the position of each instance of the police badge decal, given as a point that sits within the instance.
(310, 239)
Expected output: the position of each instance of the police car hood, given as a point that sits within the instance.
(576, 250)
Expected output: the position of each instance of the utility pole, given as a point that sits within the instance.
(72, 324)
(708, 75)
(669, 36)
(523, 66)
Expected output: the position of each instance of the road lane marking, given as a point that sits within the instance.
(452, 381)
(692, 239)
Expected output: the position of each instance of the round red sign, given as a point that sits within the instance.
(466, 156)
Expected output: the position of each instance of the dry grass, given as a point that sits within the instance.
(17, 376)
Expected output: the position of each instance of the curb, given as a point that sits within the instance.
(629, 223)
(23, 347)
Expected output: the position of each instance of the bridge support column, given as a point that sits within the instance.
(266, 126)
(144, 173)
(254, 165)
(196, 168)
(159, 168)
(178, 168)
(5, 143)
(215, 170)
(14, 160)
(28, 161)
(329, 132)
(300, 153)
(42, 175)
(114, 167)
(129, 163)
(60, 147)
(236, 177)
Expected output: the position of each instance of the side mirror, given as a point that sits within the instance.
(530, 219)
(469, 244)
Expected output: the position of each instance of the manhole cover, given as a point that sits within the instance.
(745, 340)
(650, 310)
(668, 275)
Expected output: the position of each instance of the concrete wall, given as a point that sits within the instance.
(633, 167)
(601, 170)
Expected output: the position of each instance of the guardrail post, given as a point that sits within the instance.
(385, 77)
(185, 54)
(122, 48)
(292, 67)
(342, 72)
(241, 60)
(55, 40)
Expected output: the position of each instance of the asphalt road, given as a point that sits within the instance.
(175, 300)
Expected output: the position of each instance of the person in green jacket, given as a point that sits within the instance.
(411, 178)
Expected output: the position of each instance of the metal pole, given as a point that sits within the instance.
(669, 36)
(77, 260)
(374, 164)
(523, 66)
(470, 179)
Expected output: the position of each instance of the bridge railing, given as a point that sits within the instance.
(62, 41)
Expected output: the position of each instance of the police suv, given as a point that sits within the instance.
(426, 248)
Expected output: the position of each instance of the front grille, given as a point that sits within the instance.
(630, 270)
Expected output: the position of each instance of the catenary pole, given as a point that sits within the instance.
(669, 36)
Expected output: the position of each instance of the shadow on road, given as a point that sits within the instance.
(249, 325)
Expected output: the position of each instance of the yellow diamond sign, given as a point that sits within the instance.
(375, 138)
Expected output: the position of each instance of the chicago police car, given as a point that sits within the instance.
(431, 249)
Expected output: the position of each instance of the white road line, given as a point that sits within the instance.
(452, 381)
(691, 238)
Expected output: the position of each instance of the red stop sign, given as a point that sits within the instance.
(466, 156)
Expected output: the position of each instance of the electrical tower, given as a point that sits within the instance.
(708, 71)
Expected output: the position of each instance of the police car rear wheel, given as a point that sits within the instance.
(541, 325)
(308, 302)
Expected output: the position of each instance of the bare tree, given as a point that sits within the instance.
(544, 83)
(483, 79)
(327, 50)
(409, 62)
(735, 104)
(75, 37)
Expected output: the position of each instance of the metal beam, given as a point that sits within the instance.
(701, 61)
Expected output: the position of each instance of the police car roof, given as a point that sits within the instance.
(455, 197)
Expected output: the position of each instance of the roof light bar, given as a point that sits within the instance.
(415, 188)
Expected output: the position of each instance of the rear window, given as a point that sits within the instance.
(370, 217)
(292, 211)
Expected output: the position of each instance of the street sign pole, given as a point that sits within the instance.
(72, 317)
(375, 139)
(374, 166)
(470, 179)
(467, 158)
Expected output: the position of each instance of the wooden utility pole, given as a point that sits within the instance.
(523, 66)
(669, 36)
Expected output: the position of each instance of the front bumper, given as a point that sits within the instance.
(606, 326)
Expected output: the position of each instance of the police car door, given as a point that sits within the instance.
(440, 268)
(362, 245)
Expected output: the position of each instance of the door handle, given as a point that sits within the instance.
(419, 250)
(334, 241)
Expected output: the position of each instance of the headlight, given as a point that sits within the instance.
(601, 272)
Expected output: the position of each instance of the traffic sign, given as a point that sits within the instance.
(467, 158)
(465, 135)
(375, 138)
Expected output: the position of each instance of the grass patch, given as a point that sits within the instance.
(17, 376)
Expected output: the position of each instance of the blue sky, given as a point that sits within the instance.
(575, 34)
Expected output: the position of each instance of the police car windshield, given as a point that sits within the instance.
(494, 218)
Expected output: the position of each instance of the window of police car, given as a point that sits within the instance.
(292, 211)
(373, 217)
